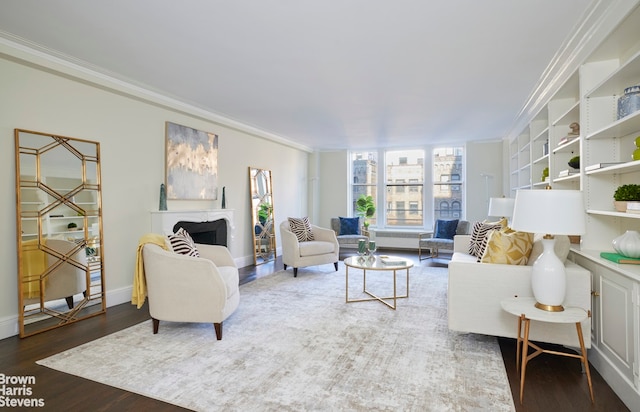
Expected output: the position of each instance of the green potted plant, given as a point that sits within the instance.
(72, 226)
(626, 193)
(264, 212)
(365, 208)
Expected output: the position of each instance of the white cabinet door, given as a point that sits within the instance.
(617, 313)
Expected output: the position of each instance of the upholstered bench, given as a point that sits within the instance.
(434, 242)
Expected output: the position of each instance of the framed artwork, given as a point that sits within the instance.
(192, 163)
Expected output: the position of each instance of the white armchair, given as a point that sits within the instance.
(322, 250)
(189, 289)
(66, 279)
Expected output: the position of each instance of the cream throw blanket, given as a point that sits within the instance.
(139, 292)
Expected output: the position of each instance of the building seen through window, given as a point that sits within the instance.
(447, 182)
(404, 188)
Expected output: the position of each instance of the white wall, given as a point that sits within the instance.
(334, 186)
(131, 132)
(484, 177)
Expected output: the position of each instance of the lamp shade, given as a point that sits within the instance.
(555, 212)
(501, 206)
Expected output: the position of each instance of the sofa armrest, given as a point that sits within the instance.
(461, 243)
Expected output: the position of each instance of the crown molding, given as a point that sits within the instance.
(25, 52)
(596, 23)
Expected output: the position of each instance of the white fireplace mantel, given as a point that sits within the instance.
(162, 221)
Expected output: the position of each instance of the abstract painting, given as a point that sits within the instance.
(192, 163)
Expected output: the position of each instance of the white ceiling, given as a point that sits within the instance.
(327, 74)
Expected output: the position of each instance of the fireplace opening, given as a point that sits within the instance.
(209, 233)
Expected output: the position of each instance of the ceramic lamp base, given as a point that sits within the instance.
(549, 308)
(548, 278)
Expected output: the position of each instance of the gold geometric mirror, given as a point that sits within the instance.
(261, 193)
(59, 230)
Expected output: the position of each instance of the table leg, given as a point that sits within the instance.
(525, 347)
(584, 359)
(407, 282)
(519, 343)
(347, 281)
(395, 290)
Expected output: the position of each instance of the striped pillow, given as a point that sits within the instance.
(301, 228)
(182, 243)
(479, 232)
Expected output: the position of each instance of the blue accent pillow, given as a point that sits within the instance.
(349, 226)
(445, 229)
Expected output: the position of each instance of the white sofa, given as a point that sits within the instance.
(476, 290)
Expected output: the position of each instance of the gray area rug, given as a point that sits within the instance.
(295, 345)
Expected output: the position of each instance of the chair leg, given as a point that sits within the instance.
(69, 300)
(285, 266)
(295, 272)
(218, 328)
(335, 265)
(156, 324)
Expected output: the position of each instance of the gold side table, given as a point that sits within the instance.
(378, 263)
(524, 308)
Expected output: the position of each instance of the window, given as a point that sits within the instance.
(404, 182)
(364, 169)
(447, 182)
(399, 189)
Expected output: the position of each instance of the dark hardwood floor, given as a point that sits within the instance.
(553, 383)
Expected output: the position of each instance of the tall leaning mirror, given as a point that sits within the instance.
(264, 238)
(59, 230)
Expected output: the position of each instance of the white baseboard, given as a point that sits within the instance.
(9, 325)
(621, 386)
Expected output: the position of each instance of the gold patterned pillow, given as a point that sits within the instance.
(508, 247)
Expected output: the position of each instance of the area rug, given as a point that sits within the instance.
(294, 344)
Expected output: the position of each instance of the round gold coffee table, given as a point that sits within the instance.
(378, 263)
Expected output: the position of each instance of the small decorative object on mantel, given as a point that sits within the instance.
(628, 244)
(629, 102)
(163, 197)
(626, 193)
(224, 197)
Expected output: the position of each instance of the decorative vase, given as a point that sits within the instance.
(636, 153)
(163, 198)
(628, 244)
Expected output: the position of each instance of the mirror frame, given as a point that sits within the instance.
(262, 215)
(47, 187)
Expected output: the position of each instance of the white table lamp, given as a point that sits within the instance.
(501, 207)
(552, 212)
